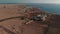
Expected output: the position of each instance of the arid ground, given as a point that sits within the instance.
(17, 26)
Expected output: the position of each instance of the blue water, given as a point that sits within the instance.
(52, 8)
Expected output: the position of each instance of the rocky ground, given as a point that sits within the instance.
(17, 26)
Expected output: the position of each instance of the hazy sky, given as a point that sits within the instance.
(29, 1)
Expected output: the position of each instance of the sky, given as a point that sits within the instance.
(29, 1)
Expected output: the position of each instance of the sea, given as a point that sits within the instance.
(51, 8)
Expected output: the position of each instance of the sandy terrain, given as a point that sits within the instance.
(17, 26)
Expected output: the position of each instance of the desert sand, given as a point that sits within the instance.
(17, 26)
